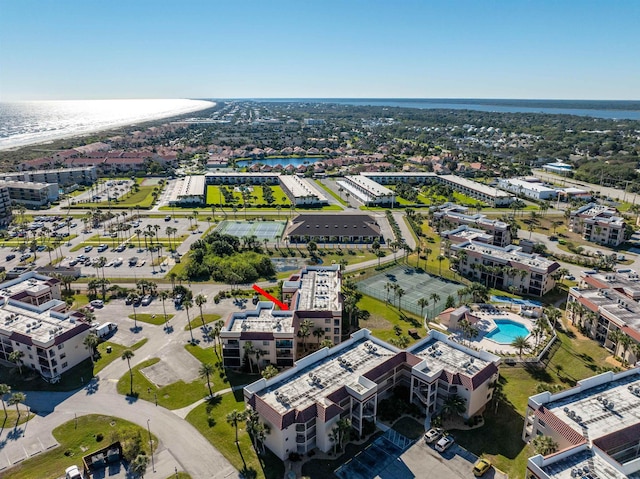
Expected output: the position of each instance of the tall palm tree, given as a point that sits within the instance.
(435, 297)
(305, 331)
(454, 405)
(16, 357)
(16, 399)
(133, 298)
(400, 293)
(234, 418)
(164, 295)
(318, 333)
(205, 371)
(520, 343)
(423, 303)
(91, 341)
(4, 390)
(128, 354)
(187, 303)
(200, 300)
(248, 351)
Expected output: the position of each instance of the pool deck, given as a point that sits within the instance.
(486, 324)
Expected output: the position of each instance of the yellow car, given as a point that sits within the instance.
(481, 467)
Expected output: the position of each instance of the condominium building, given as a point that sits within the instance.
(63, 176)
(605, 304)
(301, 192)
(31, 194)
(532, 188)
(302, 405)
(35, 321)
(235, 178)
(598, 223)
(506, 267)
(189, 190)
(313, 297)
(451, 215)
(596, 426)
(473, 189)
(368, 191)
(5, 206)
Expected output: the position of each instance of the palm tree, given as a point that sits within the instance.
(454, 405)
(400, 292)
(4, 390)
(91, 341)
(205, 371)
(326, 343)
(16, 399)
(423, 303)
(133, 299)
(128, 354)
(318, 333)
(200, 300)
(248, 351)
(440, 259)
(305, 331)
(234, 418)
(520, 343)
(545, 445)
(435, 297)
(187, 303)
(16, 357)
(553, 314)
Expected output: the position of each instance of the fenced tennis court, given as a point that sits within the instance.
(416, 284)
(376, 457)
(269, 230)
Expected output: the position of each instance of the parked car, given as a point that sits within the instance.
(481, 467)
(73, 262)
(102, 247)
(432, 435)
(121, 248)
(10, 257)
(25, 256)
(117, 262)
(97, 303)
(146, 300)
(444, 443)
(167, 218)
(88, 248)
(72, 472)
(133, 260)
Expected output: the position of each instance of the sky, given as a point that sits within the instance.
(547, 49)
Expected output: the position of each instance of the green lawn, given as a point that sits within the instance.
(106, 358)
(156, 319)
(172, 396)
(224, 378)
(196, 322)
(76, 440)
(142, 199)
(210, 420)
(383, 316)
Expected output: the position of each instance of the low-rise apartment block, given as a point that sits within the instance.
(35, 321)
(532, 188)
(313, 297)
(6, 214)
(598, 223)
(301, 192)
(63, 176)
(451, 215)
(368, 191)
(606, 304)
(302, 405)
(31, 194)
(358, 229)
(506, 267)
(595, 424)
(189, 190)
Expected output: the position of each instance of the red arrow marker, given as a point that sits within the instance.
(258, 289)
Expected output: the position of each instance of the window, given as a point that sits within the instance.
(326, 330)
(30, 356)
(63, 355)
(64, 365)
(61, 346)
(541, 423)
(265, 343)
(327, 321)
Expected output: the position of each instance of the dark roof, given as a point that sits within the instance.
(334, 225)
(616, 439)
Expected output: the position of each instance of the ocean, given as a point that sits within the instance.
(34, 122)
(606, 109)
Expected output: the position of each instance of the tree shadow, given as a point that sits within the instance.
(132, 398)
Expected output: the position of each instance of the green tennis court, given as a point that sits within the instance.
(269, 230)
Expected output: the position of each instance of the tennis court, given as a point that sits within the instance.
(381, 454)
(416, 284)
(269, 230)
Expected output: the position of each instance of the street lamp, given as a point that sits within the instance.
(153, 466)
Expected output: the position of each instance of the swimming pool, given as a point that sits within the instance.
(506, 331)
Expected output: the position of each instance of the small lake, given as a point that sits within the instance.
(283, 161)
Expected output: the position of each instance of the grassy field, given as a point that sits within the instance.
(210, 420)
(156, 319)
(196, 322)
(224, 378)
(172, 396)
(256, 198)
(76, 440)
(142, 198)
(116, 352)
(384, 316)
